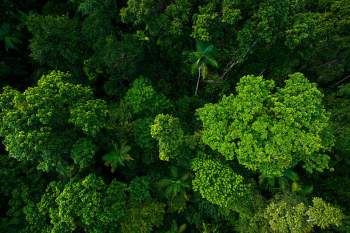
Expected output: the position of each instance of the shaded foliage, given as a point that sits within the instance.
(174, 116)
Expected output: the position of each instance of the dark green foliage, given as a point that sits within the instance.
(142, 219)
(15, 67)
(21, 185)
(139, 189)
(174, 116)
(9, 38)
(56, 42)
(117, 157)
(142, 133)
(175, 188)
(338, 103)
(144, 100)
(83, 152)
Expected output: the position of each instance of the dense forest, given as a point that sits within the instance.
(175, 116)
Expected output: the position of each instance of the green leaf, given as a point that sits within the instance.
(291, 175)
(212, 62)
(117, 157)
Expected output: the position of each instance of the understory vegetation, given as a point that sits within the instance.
(175, 116)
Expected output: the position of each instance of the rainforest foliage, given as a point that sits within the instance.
(174, 116)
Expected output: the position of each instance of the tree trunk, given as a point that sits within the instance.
(199, 76)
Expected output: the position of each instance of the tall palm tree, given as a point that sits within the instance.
(203, 57)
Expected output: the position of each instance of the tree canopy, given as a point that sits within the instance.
(142, 116)
(270, 130)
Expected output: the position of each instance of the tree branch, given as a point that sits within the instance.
(233, 63)
(342, 80)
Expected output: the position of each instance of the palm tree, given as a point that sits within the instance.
(176, 187)
(202, 57)
(118, 156)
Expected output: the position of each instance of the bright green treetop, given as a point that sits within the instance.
(270, 129)
(167, 130)
(87, 204)
(219, 184)
(52, 123)
(288, 215)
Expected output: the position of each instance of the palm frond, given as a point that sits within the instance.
(211, 61)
